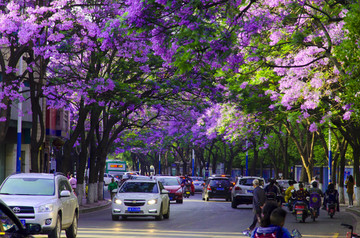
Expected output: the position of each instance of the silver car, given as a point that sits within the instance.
(242, 192)
(44, 202)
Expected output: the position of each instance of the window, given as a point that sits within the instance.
(139, 187)
(246, 182)
(28, 186)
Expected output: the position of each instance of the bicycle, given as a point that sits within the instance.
(350, 234)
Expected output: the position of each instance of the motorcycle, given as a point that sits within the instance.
(186, 190)
(314, 205)
(301, 211)
(331, 207)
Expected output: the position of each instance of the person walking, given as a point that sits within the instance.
(259, 199)
(113, 185)
(73, 182)
(349, 184)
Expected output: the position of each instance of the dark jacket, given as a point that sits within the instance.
(258, 199)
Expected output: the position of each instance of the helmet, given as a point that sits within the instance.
(314, 184)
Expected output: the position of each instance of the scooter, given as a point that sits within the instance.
(314, 205)
(331, 207)
(301, 211)
(187, 189)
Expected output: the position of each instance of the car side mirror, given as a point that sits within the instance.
(164, 191)
(65, 193)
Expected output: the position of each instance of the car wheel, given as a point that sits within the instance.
(233, 204)
(179, 201)
(192, 193)
(56, 233)
(71, 232)
(160, 216)
(167, 215)
(114, 217)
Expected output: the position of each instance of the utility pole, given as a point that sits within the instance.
(19, 122)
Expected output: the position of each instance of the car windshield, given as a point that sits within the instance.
(222, 182)
(246, 182)
(28, 186)
(139, 187)
(197, 178)
(169, 181)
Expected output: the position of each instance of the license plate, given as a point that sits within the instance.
(134, 209)
(23, 222)
(249, 191)
(187, 192)
(220, 189)
(171, 198)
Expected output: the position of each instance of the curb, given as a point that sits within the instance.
(94, 207)
(356, 213)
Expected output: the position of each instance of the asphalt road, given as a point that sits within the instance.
(197, 218)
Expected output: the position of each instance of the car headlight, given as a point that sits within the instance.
(152, 202)
(46, 208)
(117, 201)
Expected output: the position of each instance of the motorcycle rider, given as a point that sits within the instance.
(301, 194)
(186, 183)
(317, 190)
(288, 191)
(331, 195)
(271, 189)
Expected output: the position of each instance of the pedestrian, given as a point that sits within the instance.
(349, 184)
(259, 199)
(73, 182)
(113, 185)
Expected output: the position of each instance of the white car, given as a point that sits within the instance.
(44, 202)
(141, 198)
(242, 192)
(108, 177)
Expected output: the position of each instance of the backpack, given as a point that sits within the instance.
(274, 234)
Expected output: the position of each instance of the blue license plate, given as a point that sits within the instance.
(171, 198)
(220, 189)
(249, 191)
(134, 209)
(23, 222)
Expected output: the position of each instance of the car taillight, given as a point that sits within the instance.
(237, 188)
(208, 187)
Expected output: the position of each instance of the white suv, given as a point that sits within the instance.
(242, 192)
(44, 202)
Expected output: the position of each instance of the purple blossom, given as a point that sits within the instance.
(313, 127)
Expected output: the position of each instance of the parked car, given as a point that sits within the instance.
(242, 192)
(141, 198)
(172, 184)
(42, 201)
(10, 225)
(217, 187)
(199, 183)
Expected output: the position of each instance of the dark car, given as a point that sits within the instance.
(10, 225)
(217, 187)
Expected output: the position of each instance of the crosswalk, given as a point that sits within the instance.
(148, 233)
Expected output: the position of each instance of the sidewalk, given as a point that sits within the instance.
(94, 206)
(355, 210)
